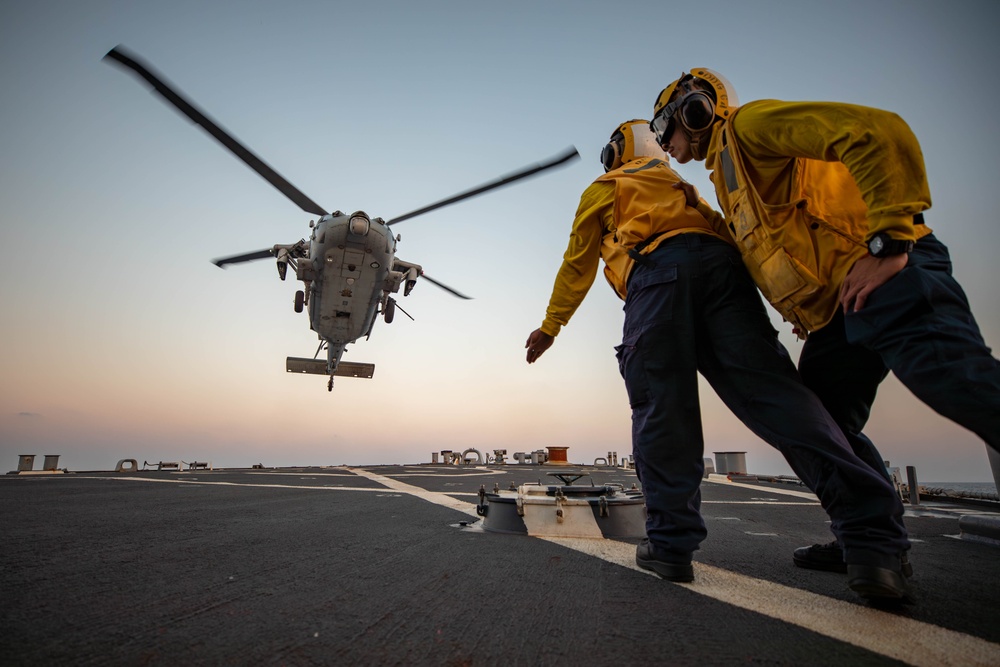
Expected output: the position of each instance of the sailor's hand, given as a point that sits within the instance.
(867, 275)
(537, 343)
(690, 192)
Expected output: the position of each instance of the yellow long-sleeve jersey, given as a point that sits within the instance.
(618, 211)
(804, 185)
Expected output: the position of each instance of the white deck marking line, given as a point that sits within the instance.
(324, 474)
(431, 474)
(191, 482)
(897, 637)
(756, 487)
(913, 642)
(758, 502)
(435, 497)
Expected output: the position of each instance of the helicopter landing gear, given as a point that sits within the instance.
(329, 385)
(300, 299)
(390, 310)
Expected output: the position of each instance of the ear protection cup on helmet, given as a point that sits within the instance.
(696, 111)
(611, 156)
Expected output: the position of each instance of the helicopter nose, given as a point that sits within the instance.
(360, 223)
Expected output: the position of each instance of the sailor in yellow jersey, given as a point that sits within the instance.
(826, 201)
(690, 307)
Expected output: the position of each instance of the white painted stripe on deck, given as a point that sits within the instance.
(192, 482)
(761, 489)
(913, 642)
(430, 496)
(435, 497)
(757, 502)
(488, 473)
(897, 637)
(324, 473)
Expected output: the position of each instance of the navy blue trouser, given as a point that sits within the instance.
(692, 308)
(918, 325)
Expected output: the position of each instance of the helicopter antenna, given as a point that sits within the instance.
(531, 170)
(191, 111)
(406, 313)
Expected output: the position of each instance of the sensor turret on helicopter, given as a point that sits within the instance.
(348, 267)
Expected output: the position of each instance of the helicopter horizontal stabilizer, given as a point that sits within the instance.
(351, 369)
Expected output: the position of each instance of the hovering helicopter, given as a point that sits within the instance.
(348, 268)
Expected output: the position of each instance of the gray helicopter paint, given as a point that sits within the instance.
(344, 302)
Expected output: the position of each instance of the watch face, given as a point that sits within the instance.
(875, 245)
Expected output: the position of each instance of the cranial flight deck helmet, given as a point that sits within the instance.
(630, 140)
(691, 105)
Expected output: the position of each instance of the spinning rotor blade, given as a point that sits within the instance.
(248, 257)
(238, 149)
(443, 286)
(565, 156)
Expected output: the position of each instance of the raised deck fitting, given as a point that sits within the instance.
(557, 456)
(565, 510)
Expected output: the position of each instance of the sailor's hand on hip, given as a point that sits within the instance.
(867, 275)
(537, 343)
(690, 192)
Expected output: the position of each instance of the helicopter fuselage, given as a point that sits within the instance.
(352, 262)
(349, 273)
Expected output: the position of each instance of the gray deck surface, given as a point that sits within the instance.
(339, 566)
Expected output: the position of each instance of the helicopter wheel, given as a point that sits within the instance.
(390, 310)
(300, 298)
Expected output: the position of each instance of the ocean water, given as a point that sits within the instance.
(980, 487)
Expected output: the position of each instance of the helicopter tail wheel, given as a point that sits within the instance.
(329, 385)
(390, 310)
(300, 298)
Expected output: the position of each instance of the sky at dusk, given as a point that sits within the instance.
(121, 340)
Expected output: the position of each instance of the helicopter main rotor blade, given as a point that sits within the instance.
(247, 257)
(565, 156)
(443, 286)
(210, 126)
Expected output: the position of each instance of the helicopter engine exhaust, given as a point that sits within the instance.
(282, 262)
(411, 280)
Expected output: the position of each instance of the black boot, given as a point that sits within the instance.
(676, 568)
(879, 585)
(827, 557)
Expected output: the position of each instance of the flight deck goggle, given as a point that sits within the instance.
(694, 110)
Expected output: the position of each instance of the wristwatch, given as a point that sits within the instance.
(883, 245)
